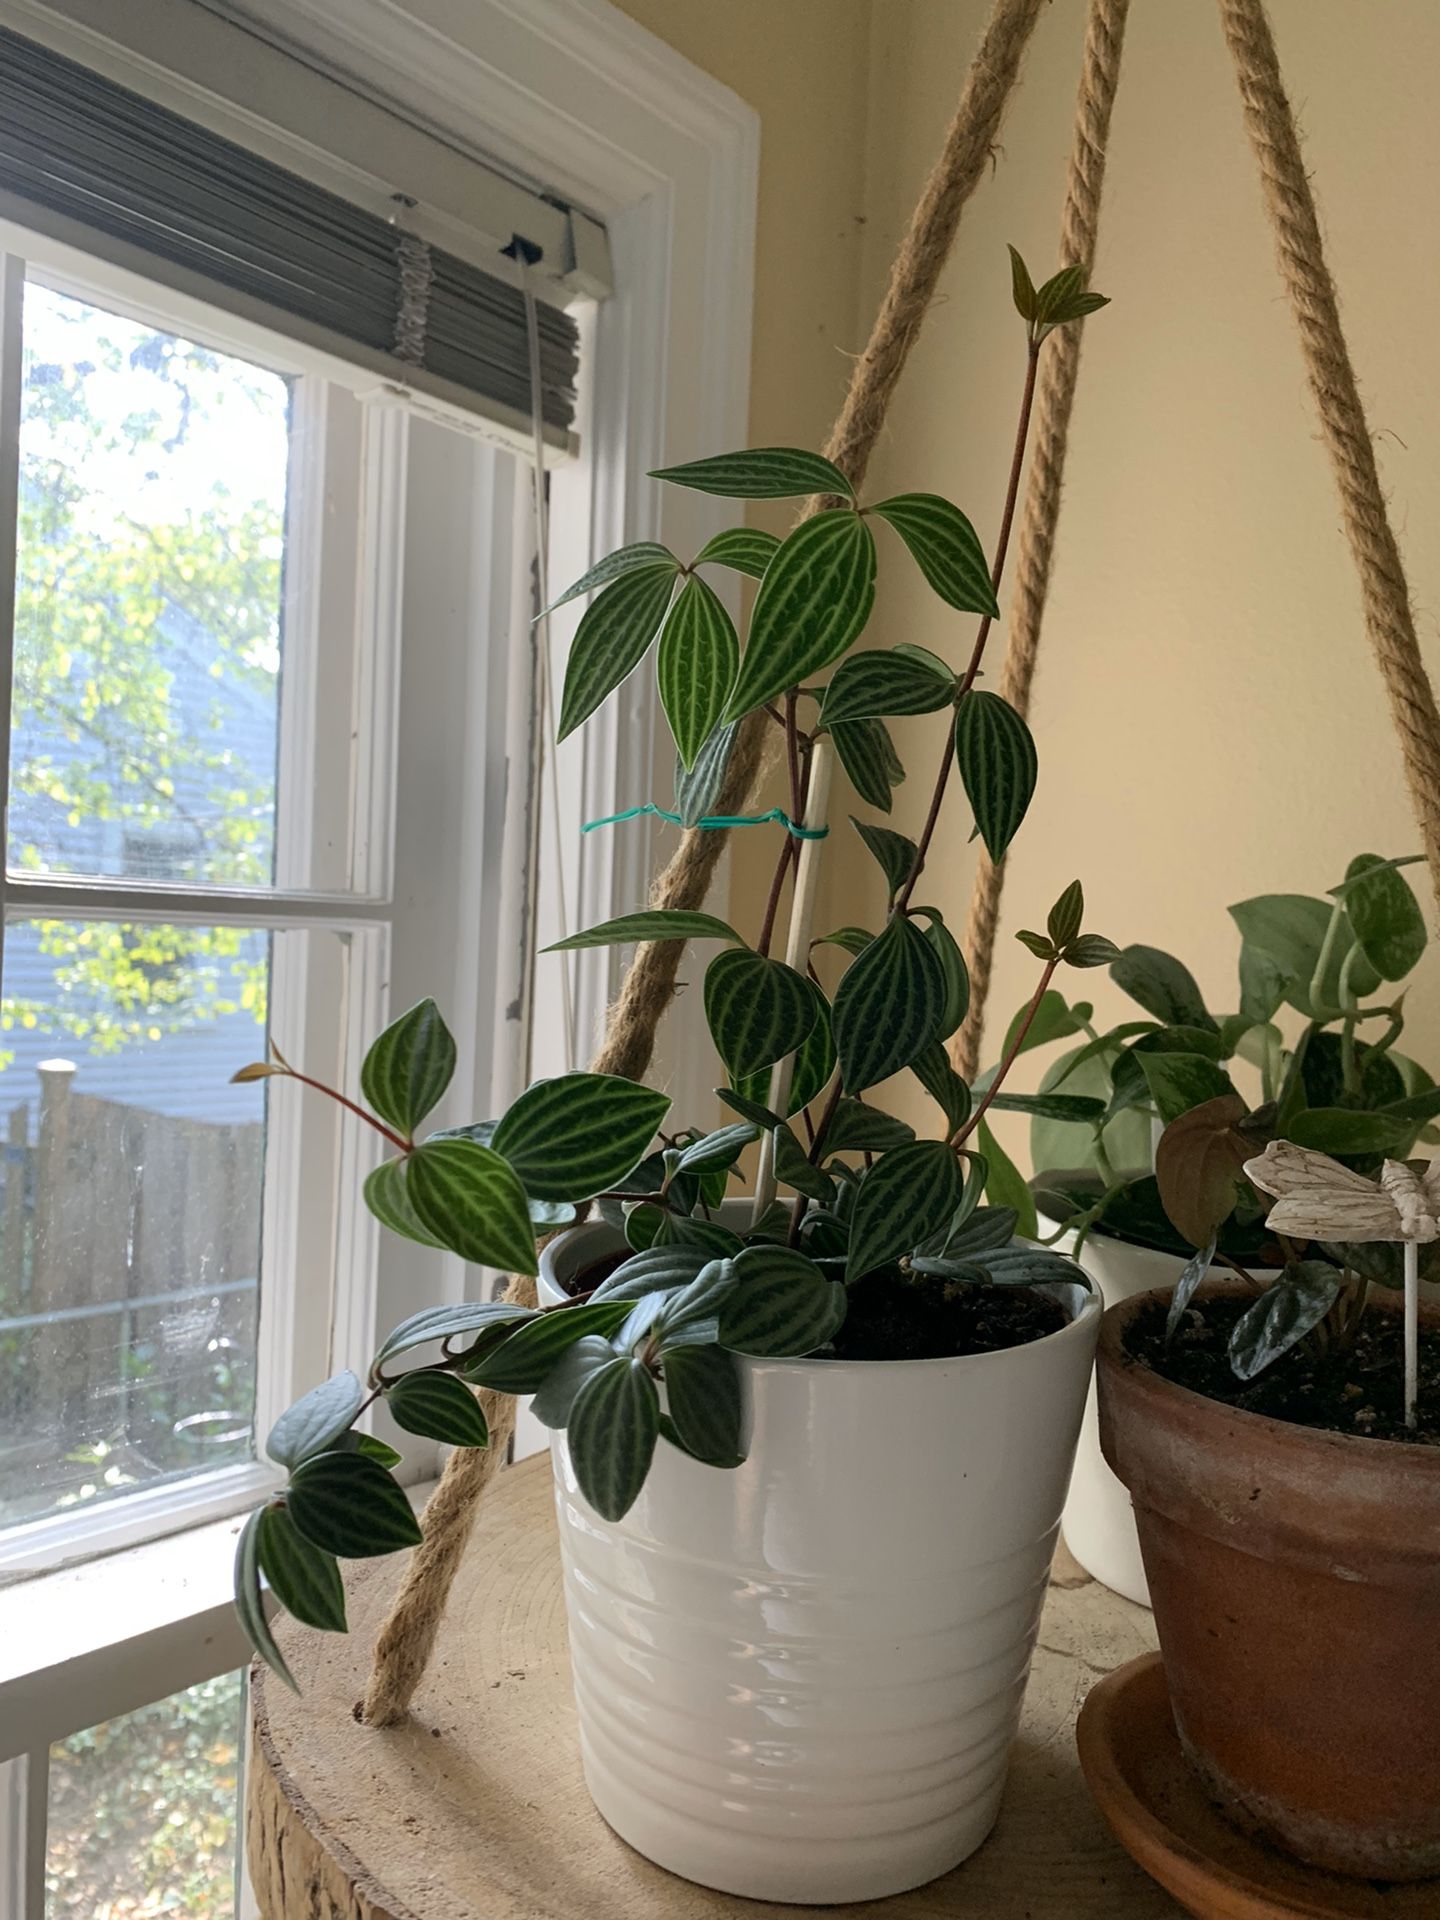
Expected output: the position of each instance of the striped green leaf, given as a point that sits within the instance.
(1018, 1266)
(760, 473)
(910, 1192)
(933, 1069)
(702, 1390)
(856, 1128)
(572, 1137)
(643, 553)
(438, 1407)
(895, 853)
(523, 1363)
(867, 685)
(814, 1063)
(613, 1425)
(306, 1579)
(750, 1105)
(1051, 1106)
(746, 549)
(946, 549)
(782, 1305)
(653, 1270)
(867, 754)
(1022, 286)
(612, 638)
(470, 1198)
(996, 756)
(719, 1149)
(551, 1405)
(758, 1010)
(387, 1195)
(889, 1005)
(409, 1067)
(317, 1421)
(696, 665)
(447, 1323)
(687, 1316)
(813, 603)
(250, 1603)
(348, 1505)
(1005, 1185)
(1383, 913)
(699, 792)
(957, 974)
(661, 923)
(795, 1170)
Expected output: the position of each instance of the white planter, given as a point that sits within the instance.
(1098, 1523)
(800, 1680)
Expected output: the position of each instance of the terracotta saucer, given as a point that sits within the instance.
(1163, 1818)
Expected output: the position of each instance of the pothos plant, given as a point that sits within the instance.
(648, 1355)
(1341, 1086)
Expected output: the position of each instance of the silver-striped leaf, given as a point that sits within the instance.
(437, 1406)
(409, 1067)
(812, 605)
(909, 1193)
(523, 1363)
(759, 473)
(748, 550)
(997, 762)
(613, 1426)
(316, 1421)
(657, 923)
(702, 1391)
(868, 685)
(783, 1304)
(945, 547)
(867, 753)
(471, 1199)
(695, 666)
(572, 1137)
(612, 639)
(641, 553)
(757, 1009)
(350, 1506)
(305, 1578)
(888, 1006)
(250, 1603)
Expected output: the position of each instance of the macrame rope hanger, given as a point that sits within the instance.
(407, 1639)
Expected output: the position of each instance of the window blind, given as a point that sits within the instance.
(91, 161)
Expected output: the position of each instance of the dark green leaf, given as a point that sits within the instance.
(1415, 1110)
(471, 1199)
(1384, 915)
(698, 793)
(815, 1058)
(387, 1195)
(1055, 296)
(1341, 1130)
(1051, 1106)
(894, 852)
(306, 1580)
(551, 1405)
(662, 923)
(696, 665)
(372, 1448)
(409, 1067)
(1264, 984)
(952, 962)
(1054, 1020)
(612, 639)
(854, 1127)
(866, 686)
(1005, 1185)
(996, 756)
(688, 1316)
(613, 1425)
(719, 1149)
(438, 1407)
(1191, 1274)
(1180, 1081)
(447, 1323)
(1091, 950)
(982, 1231)
(1163, 986)
(1067, 916)
(702, 1389)
(889, 1005)
(522, 1363)
(851, 940)
(643, 553)
(757, 1009)
(315, 1422)
(1291, 928)
(1040, 944)
(655, 1270)
(1019, 1266)
(1022, 286)
(350, 1506)
(813, 603)
(1282, 1315)
(572, 1137)
(867, 754)
(759, 473)
(249, 1603)
(794, 1170)
(946, 549)
(910, 1192)
(709, 1235)
(746, 549)
(751, 1108)
(932, 1068)
(783, 1305)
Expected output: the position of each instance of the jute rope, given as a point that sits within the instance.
(1388, 618)
(407, 1639)
(1035, 550)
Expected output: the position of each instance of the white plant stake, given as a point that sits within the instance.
(1318, 1199)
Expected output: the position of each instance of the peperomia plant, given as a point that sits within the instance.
(879, 1232)
(1340, 1086)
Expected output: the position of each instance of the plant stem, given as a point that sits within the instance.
(351, 1106)
(1002, 547)
(963, 1133)
(789, 850)
(1318, 1009)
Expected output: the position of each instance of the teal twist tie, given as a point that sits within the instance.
(712, 820)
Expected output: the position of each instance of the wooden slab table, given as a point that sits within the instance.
(476, 1809)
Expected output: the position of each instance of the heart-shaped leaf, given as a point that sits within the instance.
(350, 1506)
(438, 1407)
(997, 762)
(1163, 986)
(551, 1405)
(1282, 1315)
(702, 1389)
(867, 753)
(471, 1200)
(783, 1304)
(1005, 1185)
(813, 603)
(317, 1421)
(856, 1128)
(696, 666)
(910, 1192)
(757, 1009)
(867, 685)
(933, 1069)
(1180, 1081)
(612, 638)
(613, 1425)
(1385, 916)
(572, 1137)
(746, 549)
(387, 1195)
(946, 549)
(894, 852)
(889, 1005)
(1199, 1164)
(409, 1067)
(654, 1270)
(306, 1580)
(759, 473)
(1343, 1130)
(699, 792)
(661, 923)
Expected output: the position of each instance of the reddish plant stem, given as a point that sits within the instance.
(395, 1139)
(963, 1133)
(1002, 547)
(790, 851)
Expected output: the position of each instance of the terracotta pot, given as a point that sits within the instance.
(1295, 1577)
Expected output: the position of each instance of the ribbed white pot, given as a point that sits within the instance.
(800, 1680)
(1099, 1524)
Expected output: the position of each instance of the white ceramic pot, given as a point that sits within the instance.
(800, 1680)
(1098, 1524)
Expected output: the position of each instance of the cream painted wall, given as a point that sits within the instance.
(1209, 720)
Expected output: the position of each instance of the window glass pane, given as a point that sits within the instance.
(129, 1206)
(148, 602)
(143, 1811)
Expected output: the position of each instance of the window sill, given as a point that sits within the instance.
(89, 1642)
